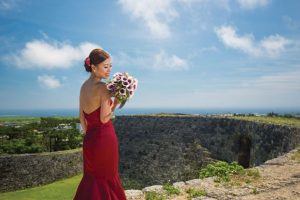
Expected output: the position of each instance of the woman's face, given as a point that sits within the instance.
(103, 69)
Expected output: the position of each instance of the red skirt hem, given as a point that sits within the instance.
(101, 188)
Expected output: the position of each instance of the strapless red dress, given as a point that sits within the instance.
(100, 179)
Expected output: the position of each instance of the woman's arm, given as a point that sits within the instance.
(107, 108)
(81, 116)
(114, 105)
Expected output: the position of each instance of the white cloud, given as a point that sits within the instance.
(49, 81)
(159, 61)
(7, 4)
(50, 55)
(251, 4)
(156, 14)
(270, 46)
(164, 62)
(274, 45)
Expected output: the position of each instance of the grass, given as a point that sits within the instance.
(279, 120)
(246, 176)
(154, 196)
(195, 193)
(255, 191)
(63, 190)
(170, 189)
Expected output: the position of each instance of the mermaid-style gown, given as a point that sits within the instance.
(100, 179)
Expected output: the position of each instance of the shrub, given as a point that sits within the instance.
(272, 114)
(222, 170)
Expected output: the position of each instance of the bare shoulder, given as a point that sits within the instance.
(103, 90)
(83, 86)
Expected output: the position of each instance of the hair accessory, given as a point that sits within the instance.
(88, 61)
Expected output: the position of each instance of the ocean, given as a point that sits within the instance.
(132, 111)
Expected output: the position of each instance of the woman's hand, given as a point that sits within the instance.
(115, 104)
(116, 101)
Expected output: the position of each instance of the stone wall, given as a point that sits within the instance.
(155, 149)
(29, 170)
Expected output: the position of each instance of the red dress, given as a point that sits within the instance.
(100, 179)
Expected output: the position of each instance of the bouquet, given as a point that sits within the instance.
(122, 87)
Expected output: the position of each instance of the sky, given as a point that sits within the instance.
(184, 53)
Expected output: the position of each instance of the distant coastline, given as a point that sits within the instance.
(132, 111)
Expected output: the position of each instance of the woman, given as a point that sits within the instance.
(100, 145)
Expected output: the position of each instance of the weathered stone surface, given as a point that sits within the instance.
(194, 182)
(203, 198)
(180, 185)
(134, 195)
(154, 188)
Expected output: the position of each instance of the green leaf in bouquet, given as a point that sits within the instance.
(122, 104)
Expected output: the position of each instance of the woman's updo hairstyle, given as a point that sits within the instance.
(96, 56)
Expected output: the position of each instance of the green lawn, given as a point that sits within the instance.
(62, 190)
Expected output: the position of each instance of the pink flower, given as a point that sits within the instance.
(110, 86)
(125, 83)
(122, 86)
(87, 61)
(118, 74)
